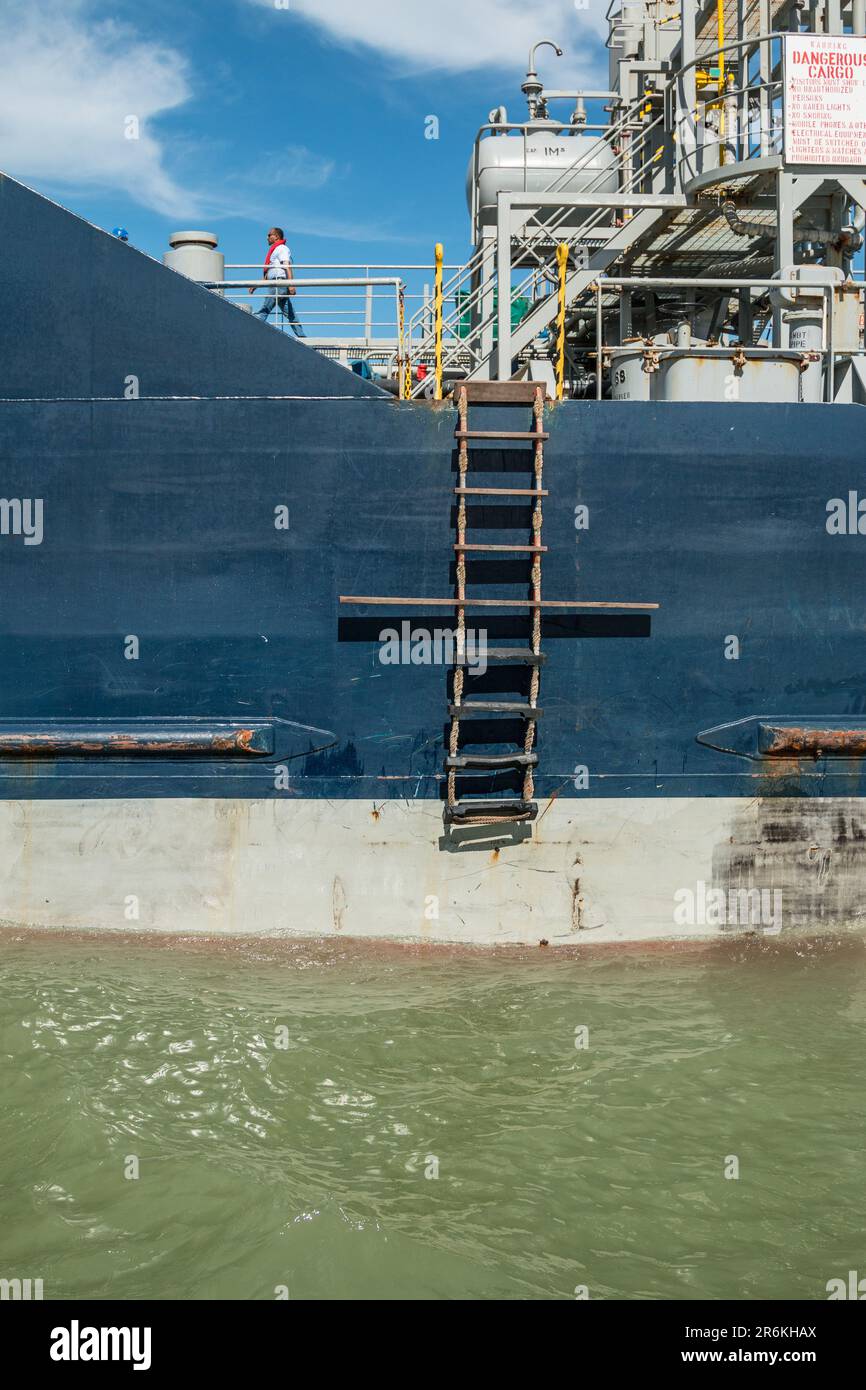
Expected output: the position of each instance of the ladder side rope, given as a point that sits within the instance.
(459, 673)
(535, 679)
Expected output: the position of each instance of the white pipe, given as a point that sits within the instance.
(542, 43)
(336, 265)
(245, 284)
(589, 96)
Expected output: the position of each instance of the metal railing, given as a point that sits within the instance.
(666, 137)
(635, 165)
(351, 316)
(736, 114)
(469, 326)
(807, 289)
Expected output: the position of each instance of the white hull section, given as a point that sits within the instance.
(588, 871)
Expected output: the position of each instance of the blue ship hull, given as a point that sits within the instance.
(218, 516)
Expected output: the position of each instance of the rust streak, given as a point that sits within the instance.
(803, 742)
(110, 744)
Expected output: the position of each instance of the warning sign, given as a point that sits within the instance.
(825, 99)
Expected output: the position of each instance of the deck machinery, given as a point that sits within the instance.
(707, 257)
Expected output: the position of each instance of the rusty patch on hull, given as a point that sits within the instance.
(798, 741)
(150, 740)
(812, 851)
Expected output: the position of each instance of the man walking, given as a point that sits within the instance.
(278, 266)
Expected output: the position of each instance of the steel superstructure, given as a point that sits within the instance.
(683, 179)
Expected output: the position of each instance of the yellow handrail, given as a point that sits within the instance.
(440, 256)
(562, 263)
(720, 21)
(404, 366)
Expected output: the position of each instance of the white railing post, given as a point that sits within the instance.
(368, 311)
(487, 290)
(503, 281)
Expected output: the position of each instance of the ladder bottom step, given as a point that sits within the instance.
(510, 656)
(491, 760)
(493, 707)
(468, 811)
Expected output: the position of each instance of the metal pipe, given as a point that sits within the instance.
(741, 227)
(335, 265)
(368, 312)
(668, 282)
(357, 282)
(542, 43)
(588, 96)
(532, 88)
(667, 349)
(503, 284)
(828, 305)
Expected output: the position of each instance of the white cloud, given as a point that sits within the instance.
(465, 35)
(69, 84)
(292, 167)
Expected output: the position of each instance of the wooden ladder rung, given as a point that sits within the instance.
(502, 434)
(509, 656)
(499, 392)
(519, 707)
(502, 492)
(489, 762)
(522, 549)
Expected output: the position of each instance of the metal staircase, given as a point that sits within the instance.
(468, 716)
(593, 247)
(579, 280)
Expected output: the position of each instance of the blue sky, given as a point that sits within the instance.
(307, 113)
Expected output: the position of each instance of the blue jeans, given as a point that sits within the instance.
(287, 309)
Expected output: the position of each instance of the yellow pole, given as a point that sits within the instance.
(562, 263)
(440, 256)
(401, 330)
(720, 23)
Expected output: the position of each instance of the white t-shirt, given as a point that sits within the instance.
(281, 259)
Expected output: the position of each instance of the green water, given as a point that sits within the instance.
(304, 1166)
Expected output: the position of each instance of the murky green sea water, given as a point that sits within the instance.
(313, 1165)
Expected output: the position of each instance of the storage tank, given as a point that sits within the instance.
(683, 373)
(806, 330)
(628, 380)
(531, 160)
(764, 375)
(194, 254)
